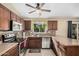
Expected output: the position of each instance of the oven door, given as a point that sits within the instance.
(9, 40)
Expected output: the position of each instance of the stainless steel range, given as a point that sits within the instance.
(9, 38)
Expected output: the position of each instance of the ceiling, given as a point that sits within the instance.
(57, 10)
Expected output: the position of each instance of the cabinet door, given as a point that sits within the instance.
(52, 25)
(6, 15)
(27, 25)
(18, 19)
(35, 42)
(12, 52)
(13, 16)
(4, 18)
(72, 50)
(1, 17)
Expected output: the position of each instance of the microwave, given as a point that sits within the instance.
(15, 26)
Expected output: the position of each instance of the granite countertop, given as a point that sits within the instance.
(66, 41)
(4, 47)
(62, 40)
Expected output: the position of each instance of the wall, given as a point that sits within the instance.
(62, 28)
(62, 25)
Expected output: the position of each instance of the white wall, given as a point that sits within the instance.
(62, 28)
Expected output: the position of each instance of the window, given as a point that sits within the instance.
(39, 27)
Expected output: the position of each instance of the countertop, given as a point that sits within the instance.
(66, 41)
(62, 40)
(4, 47)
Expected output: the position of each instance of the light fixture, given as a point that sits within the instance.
(39, 12)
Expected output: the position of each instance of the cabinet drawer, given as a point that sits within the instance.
(12, 52)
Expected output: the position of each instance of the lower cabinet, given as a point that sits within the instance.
(39, 42)
(54, 46)
(71, 50)
(34, 42)
(14, 51)
(68, 50)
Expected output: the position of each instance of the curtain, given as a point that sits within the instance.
(69, 29)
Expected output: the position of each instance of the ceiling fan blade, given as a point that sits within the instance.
(45, 10)
(30, 6)
(32, 11)
(42, 4)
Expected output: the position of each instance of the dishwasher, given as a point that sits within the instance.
(45, 42)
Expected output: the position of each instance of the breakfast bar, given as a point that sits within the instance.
(65, 46)
(60, 45)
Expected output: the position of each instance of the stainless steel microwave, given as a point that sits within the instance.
(15, 26)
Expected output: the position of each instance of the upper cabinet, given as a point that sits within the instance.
(52, 25)
(28, 25)
(18, 19)
(4, 18)
(6, 15)
(13, 16)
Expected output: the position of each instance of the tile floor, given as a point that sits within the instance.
(44, 52)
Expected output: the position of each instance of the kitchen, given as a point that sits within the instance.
(18, 35)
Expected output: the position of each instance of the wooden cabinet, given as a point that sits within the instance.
(7, 15)
(28, 25)
(35, 42)
(71, 50)
(13, 16)
(52, 25)
(4, 18)
(18, 19)
(67, 50)
(14, 51)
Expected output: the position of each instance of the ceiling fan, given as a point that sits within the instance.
(38, 7)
